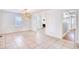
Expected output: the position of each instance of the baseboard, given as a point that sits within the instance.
(15, 32)
(53, 36)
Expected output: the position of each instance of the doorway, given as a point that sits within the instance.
(70, 25)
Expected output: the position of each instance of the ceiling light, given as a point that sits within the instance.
(26, 14)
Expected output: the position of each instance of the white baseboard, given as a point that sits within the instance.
(58, 37)
(14, 31)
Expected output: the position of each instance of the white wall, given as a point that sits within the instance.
(77, 32)
(54, 19)
(54, 23)
(7, 23)
(0, 22)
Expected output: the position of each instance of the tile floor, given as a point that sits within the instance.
(33, 40)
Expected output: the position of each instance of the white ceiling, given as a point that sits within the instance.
(20, 10)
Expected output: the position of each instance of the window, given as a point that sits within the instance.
(18, 21)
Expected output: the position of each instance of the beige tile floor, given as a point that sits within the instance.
(33, 40)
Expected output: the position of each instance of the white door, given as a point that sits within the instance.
(38, 22)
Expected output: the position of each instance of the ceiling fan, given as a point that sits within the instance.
(26, 15)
